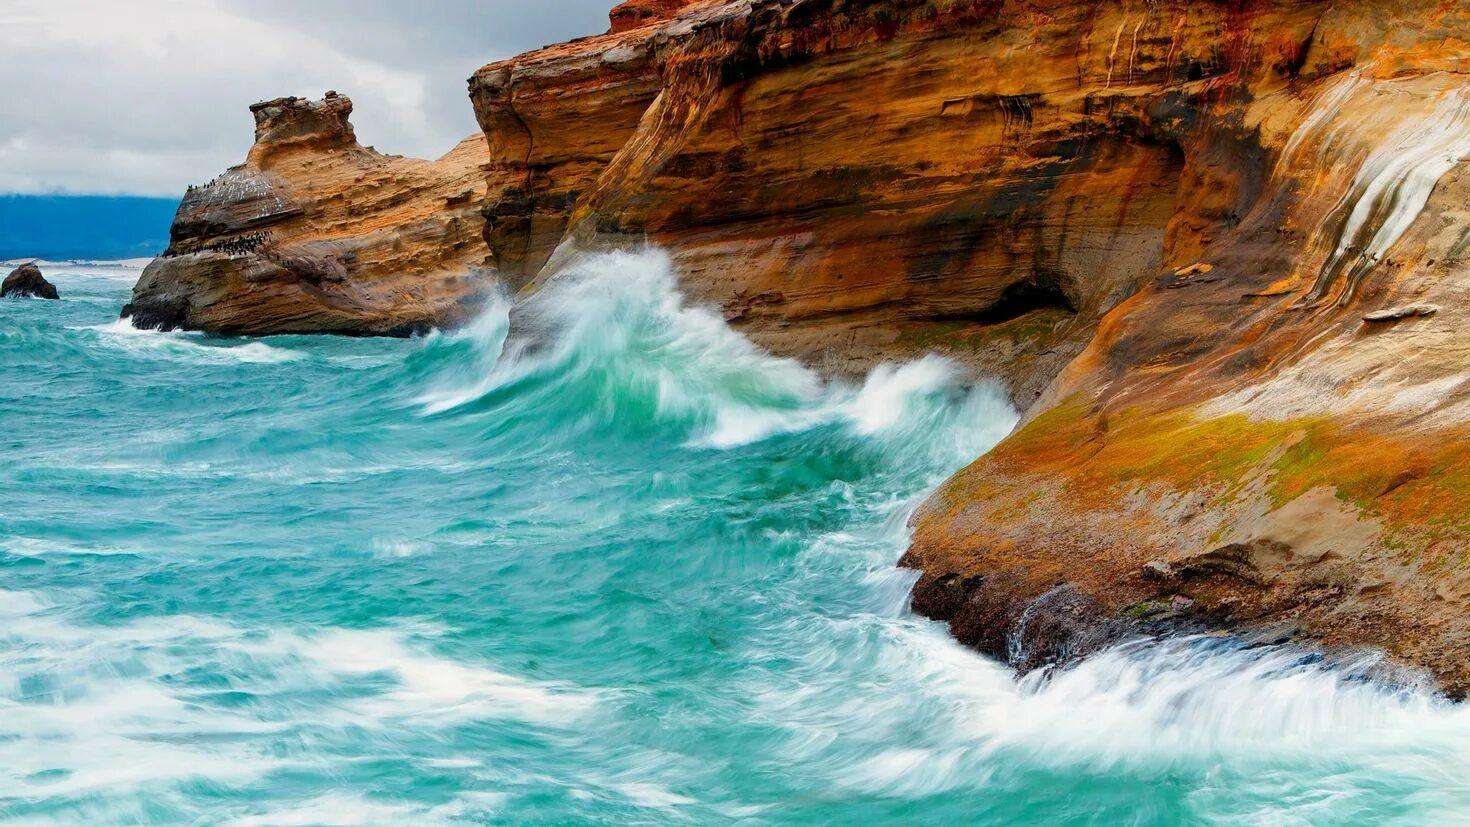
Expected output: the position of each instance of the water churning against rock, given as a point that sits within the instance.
(610, 564)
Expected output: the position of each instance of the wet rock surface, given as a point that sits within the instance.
(1052, 629)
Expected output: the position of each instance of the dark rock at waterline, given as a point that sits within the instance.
(997, 614)
(1052, 629)
(157, 314)
(26, 281)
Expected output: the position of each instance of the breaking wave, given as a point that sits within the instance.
(614, 342)
(177, 344)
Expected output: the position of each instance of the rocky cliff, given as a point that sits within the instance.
(853, 182)
(1213, 246)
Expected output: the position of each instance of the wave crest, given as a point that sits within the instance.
(613, 341)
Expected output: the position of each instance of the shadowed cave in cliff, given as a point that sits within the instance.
(1041, 292)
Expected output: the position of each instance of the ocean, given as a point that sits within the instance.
(623, 568)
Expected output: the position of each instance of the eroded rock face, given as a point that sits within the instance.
(634, 13)
(866, 183)
(315, 233)
(26, 282)
(554, 120)
(1274, 427)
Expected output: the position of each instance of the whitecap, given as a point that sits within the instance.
(94, 713)
(430, 686)
(348, 810)
(182, 346)
(40, 547)
(917, 715)
(334, 810)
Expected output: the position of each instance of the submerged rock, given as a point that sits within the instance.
(26, 281)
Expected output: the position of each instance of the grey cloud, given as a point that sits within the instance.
(470, 32)
(148, 96)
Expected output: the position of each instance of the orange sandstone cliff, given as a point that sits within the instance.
(1214, 248)
(851, 183)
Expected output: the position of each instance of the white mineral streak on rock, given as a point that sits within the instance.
(237, 186)
(1395, 179)
(1316, 391)
(1394, 314)
(1384, 145)
(1330, 101)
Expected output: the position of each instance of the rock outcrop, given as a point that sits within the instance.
(315, 233)
(26, 282)
(1217, 250)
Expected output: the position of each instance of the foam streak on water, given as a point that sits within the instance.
(609, 563)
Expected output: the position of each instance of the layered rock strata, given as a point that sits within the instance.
(1273, 429)
(852, 184)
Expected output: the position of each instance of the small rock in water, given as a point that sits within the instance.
(26, 281)
(1393, 314)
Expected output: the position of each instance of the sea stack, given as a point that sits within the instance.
(269, 247)
(26, 282)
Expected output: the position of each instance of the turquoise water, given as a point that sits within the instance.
(630, 570)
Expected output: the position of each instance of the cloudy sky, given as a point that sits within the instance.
(144, 97)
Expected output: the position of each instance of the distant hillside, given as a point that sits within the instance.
(83, 226)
